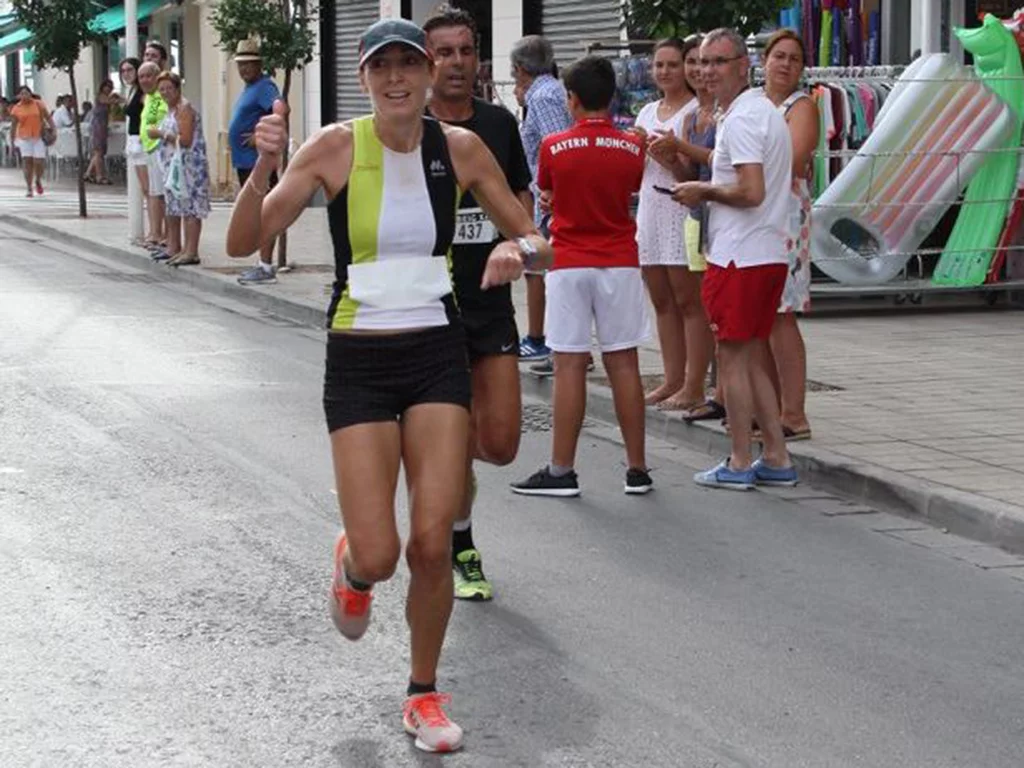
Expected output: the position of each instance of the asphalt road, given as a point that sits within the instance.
(166, 523)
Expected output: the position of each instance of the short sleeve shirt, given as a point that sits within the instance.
(546, 113)
(255, 101)
(30, 119)
(752, 132)
(154, 110)
(593, 170)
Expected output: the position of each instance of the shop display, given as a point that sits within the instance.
(929, 143)
(634, 88)
(837, 33)
(970, 248)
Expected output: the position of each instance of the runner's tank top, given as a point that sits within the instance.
(392, 227)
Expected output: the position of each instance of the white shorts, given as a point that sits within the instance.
(156, 174)
(613, 299)
(134, 152)
(31, 148)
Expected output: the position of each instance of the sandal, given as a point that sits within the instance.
(104, 181)
(670, 404)
(89, 179)
(181, 260)
(795, 435)
(709, 410)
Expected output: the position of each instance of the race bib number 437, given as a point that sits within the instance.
(473, 227)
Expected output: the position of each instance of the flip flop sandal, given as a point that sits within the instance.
(668, 404)
(795, 435)
(160, 256)
(709, 410)
(184, 261)
(104, 182)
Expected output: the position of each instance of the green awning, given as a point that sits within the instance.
(14, 40)
(112, 19)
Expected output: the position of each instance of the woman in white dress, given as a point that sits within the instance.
(674, 290)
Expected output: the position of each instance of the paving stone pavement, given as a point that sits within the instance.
(933, 398)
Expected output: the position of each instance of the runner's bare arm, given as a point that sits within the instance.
(258, 217)
(526, 198)
(477, 171)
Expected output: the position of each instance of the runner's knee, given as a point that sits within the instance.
(376, 562)
(429, 552)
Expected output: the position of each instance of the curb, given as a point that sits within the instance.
(961, 513)
(221, 285)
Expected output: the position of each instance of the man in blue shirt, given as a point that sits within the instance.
(547, 112)
(255, 101)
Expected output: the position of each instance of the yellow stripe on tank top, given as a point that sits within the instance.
(365, 194)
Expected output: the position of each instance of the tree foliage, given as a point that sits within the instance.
(60, 29)
(658, 18)
(284, 28)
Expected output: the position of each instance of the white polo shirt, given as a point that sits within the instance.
(752, 132)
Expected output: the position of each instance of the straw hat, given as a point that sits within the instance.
(248, 50)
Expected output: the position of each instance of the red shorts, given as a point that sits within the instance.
(741, 303)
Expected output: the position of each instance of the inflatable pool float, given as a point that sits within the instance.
(971, 245)
(928, 143)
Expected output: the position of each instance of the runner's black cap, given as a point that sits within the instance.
(388, 32)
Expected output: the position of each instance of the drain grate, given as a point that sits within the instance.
(537, 418)
(125, 277)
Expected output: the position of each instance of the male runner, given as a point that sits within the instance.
(489, 316)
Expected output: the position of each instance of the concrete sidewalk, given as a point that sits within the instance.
(918, 412)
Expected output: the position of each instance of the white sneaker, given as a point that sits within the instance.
(424, 718)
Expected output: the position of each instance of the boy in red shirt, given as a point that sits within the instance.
(590, 173)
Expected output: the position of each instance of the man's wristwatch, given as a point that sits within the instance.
(527, 252)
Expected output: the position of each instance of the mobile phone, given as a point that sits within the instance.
(663, 190)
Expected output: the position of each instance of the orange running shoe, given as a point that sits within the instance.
(350, 608)
(424, 718)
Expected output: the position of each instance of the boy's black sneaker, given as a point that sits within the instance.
(543, 483)
(638, 481)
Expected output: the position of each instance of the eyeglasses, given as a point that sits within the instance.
(720, 61)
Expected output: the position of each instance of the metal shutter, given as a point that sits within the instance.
(352, 17)
(571, 24)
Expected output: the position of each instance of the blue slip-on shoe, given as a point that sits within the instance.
(723, 476)
(775, 477)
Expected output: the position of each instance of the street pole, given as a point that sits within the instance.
(131, 41)
(931, 32)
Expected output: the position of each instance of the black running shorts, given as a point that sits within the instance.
(488, 335)
(372, 378)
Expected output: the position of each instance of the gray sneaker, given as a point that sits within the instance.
(258, 275)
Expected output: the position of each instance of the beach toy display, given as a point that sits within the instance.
(937, 131)
(971, 245)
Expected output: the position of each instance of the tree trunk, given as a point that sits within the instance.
(282, 240)
(78, 145)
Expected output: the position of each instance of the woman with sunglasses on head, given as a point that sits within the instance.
(397, 384)
(135, 155)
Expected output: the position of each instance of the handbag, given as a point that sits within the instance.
(174, 181)
(49, 135)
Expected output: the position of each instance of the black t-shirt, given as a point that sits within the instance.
(475, 234)
(133, 111)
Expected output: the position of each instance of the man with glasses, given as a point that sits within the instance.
(748, 199)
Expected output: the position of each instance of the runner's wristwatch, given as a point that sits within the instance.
(527, 251)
